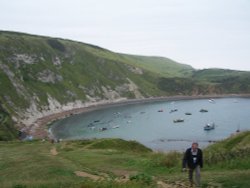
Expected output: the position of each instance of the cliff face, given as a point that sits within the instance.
(41, 75)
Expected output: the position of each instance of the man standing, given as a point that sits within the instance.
(193, 160)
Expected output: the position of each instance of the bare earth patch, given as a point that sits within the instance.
(87, 175)
(53, 151)
(176, 184)
(124, 177)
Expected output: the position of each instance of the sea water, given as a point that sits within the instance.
(152, 123)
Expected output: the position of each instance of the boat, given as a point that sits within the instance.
(178, 120)
(209, 126)
(160, 110)
(211, 100)
(203, 110)
(173, 110)
(115, 127)
(236, 101)
(238, 129)
(188, 113)
(103, 129)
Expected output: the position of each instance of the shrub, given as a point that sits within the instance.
(143, 178)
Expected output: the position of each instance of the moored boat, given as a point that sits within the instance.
(178, 120)
(203, 110)
(209, 126)
(173, 110)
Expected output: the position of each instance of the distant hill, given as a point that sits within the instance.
(42, 75)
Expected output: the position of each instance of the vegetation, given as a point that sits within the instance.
(7, 129)
(65, 164)
(35, 68)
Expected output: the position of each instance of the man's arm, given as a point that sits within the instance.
(184, 160)
(201, 160)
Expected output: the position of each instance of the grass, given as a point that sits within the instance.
(7, 130)
(85, 70)
(31, 164)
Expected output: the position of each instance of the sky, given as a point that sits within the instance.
(201, 33)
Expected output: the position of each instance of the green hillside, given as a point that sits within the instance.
(117, 163)
(34, 67)
(7, 129)
(227, 81)
(162, 66)
(43, 75)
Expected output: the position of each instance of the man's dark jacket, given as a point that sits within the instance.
(188, 159)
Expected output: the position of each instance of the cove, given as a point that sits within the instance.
(154, 123)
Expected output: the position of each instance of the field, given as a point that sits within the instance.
(118, 163)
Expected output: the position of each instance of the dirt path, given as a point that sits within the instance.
(53, 151)
(120, 179)
(125, 178)
(176, 184)
(87, 175)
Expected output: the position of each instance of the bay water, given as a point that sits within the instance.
(152, 123)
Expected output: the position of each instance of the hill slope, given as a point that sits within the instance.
(40, 76)
(34, 69)
(118, 163)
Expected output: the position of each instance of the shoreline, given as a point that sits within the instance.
(39, 128)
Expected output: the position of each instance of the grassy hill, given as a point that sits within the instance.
(42, 75)
(34, 67)
(160, 65)
(118, 163)
(7, 129)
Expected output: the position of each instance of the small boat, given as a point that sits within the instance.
(103, 129)
(236, 101)
(173, 110)
(90, 125)
(211, 100)
(238, 129)
(203, 110)
(160, 110)
(115, 127)
(188, 113)
(178, 120)
(209, 126)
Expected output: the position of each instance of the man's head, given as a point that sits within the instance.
(195, 146)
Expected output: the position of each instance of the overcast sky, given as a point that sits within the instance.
(201, 33)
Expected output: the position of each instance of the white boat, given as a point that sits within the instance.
(209, 126)
(115, 127)
(211, 100)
